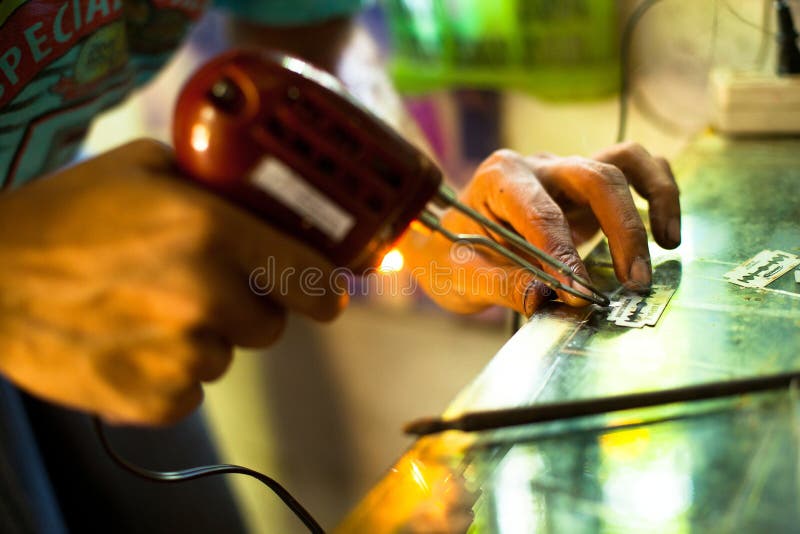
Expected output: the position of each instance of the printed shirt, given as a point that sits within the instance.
(62, 62)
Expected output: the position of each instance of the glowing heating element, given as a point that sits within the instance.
(392, 262)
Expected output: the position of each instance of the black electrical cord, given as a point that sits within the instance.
(205, 471)
(624, 70)
(788, 53)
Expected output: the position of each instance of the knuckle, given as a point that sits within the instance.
(575, 160)
(665, 189)
(491, 169)
(499, 161)
(598, 174)
(627, 145)
(503, 154)
(664, 164)
(149, 150)
(207, 357)
(633, 226)
(331, 306)
(215, 367)
(630, 151)
(277, 326)
(547, 214)
(562, 250)
(152, 147)
(609, 174)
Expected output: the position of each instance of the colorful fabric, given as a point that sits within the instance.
(63, 62)
(290, 12)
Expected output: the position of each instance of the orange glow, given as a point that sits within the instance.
(420, 494)
(200, 137)
(392, 262)
(420, 228)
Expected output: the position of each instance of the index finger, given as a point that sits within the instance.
(605, 189)
(652, 178)
(510, 191)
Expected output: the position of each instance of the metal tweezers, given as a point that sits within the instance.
(447, 197)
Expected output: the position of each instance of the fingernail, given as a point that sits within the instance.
(674, 230)
(640, 276)
(582, 289)
(535, 295)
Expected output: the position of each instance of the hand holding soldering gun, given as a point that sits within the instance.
(123, 287)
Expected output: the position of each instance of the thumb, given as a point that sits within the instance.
(532, 294)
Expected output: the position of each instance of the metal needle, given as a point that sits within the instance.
(486, 420)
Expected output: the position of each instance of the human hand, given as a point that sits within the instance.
(554, 203)
(123, 286)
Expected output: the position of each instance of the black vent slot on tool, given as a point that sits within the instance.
(302, 108)
(345, 142)
(375, 203)
(307, 112)
(386, 173)
(302, 146)
(276, 128)
(227, 96)
(326, 165)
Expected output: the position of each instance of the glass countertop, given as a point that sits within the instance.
(728, 465)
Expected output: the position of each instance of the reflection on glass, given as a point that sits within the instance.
(645, 487)
(518, 507)
(520, 372)
(728, 466)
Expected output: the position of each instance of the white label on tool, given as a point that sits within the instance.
(274, 177)
(636, 311)
(763, 268)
